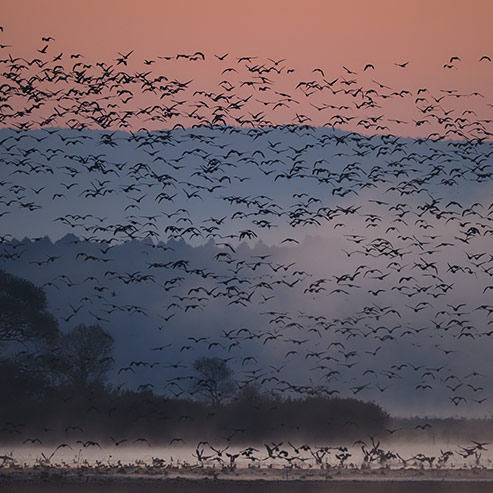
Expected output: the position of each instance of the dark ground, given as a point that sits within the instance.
(257, 486)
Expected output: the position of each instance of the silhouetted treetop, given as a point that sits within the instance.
(86, 356)
(23, 312)
(214, 379)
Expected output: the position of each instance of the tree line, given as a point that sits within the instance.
(55, 386)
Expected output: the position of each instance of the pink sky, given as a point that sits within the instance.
(323, 34)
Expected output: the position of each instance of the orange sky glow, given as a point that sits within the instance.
(315, 34)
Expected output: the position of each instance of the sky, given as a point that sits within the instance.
(325, 35)
(353, 32)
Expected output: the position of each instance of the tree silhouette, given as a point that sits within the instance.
(86, 356)
(214, 379)
(23, 314)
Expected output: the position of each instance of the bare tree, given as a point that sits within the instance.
(214, 379)
(86, 356)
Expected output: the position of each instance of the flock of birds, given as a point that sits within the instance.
(396, 298)
(281, 455)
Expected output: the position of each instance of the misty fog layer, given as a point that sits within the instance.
(315, 262)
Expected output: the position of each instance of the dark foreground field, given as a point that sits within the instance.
(257, 486)
(174, 480)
